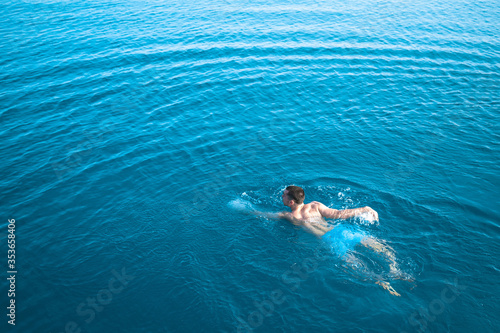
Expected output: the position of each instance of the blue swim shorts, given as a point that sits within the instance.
(342, 239)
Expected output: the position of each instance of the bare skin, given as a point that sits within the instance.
(311, 217)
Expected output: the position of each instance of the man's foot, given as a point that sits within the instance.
(388, 287)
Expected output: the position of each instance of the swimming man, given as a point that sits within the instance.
(311, 217)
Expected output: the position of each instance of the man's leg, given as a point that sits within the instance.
(388, 287)
(385, 250)
(354, 263)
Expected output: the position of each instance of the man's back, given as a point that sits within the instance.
(309, 217)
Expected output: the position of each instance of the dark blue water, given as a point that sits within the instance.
(128, 126)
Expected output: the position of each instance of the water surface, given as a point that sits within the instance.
(128, 126)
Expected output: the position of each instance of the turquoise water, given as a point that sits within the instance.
(127, 128)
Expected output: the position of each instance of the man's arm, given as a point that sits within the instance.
(268, 215)
(346, 213)
(281, 215)
(247, 208)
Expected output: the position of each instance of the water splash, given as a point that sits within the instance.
(366, 219)
(241, 205)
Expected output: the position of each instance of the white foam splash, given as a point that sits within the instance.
(241, 205)
(367, 219)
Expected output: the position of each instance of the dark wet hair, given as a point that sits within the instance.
(296, 193)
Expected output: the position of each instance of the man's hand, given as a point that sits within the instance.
(372, 212)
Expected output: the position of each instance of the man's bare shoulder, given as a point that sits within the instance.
(315, 204)
(289, 216)
(283, 214)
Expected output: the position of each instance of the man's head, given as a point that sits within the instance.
(293, 195)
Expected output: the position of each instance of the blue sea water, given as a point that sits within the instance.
(129, 127)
